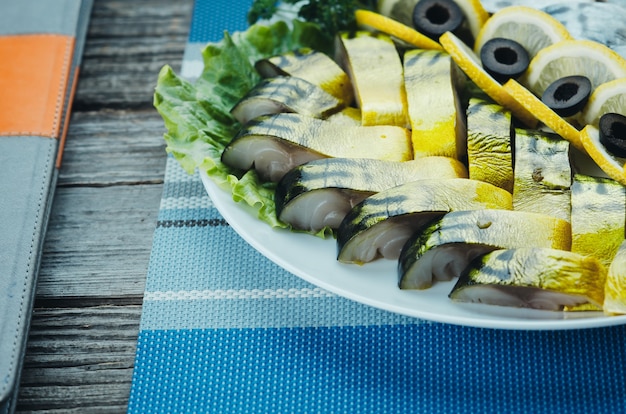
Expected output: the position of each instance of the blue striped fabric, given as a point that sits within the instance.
(224, 330)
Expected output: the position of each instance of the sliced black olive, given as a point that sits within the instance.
(613, 133)
(504, 59)
(568, 95)
(433, 18)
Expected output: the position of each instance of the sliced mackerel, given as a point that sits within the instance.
(375, 70)
(446, 247)
(313, 66)
(320, 193)
(381, 224)
(275, 144)
(285, 94)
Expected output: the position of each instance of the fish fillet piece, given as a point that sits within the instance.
(320, 193)
(313, 66)
(446, 247)
(598, 216)
(375, 70)
(437, 120)
(615, 288)
(285, 94)
(533, 277)
(542, 177)
(275, 144)
(381, 224)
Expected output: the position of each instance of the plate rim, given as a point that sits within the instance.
(222, 199)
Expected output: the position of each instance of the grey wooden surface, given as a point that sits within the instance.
(83, 335)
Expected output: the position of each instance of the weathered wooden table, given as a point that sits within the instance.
(84, 330)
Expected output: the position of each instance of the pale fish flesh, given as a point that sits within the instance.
(320, 193)
(275, 144)
(285, 94)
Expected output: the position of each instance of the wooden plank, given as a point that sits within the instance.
(127, 44)
(80, 360)
(82, 342)
(98, 242)
(114, 147)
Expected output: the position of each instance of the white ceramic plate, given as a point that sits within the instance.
(375, 284)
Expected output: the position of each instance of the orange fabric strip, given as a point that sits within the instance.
(33, 81)
(66, 121)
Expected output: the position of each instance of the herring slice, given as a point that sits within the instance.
(542, 173)
(382, 223)
(313, 66)
(489, 143)
(615, 288)
(285, 94)
(275, 144)
(445, 248)
(533, 277)
(320, 193)
(598, 216)
(437, 120)
(375, 70)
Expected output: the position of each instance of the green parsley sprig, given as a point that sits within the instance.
(332, 16)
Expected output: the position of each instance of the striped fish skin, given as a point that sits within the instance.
(445, 248)
(285, 94)
(615, 291)
(437, 118)
(489, 143)
(532, 277)
(590, 20)
(598, 216)
(314, 67)
(320, 193)
(400, 10)
(381, 224)
(493, 6)
(542, 175)
(275, 144)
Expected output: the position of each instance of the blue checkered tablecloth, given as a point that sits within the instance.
(224, 330)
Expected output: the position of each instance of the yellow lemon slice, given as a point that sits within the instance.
(475, 15)
(614, 167)
(573, 57)
(391, 27)
(543, 113)
(532, 28)
(469, 63)
(608, 97)
(615, 287)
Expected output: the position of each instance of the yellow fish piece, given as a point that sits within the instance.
(375, 70)
(615, 288)
(437, 120)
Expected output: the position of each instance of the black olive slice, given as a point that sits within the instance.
(568, 95)
(504, 59)
(433, 18)
(613, 133)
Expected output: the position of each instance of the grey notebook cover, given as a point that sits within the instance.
(31, 142)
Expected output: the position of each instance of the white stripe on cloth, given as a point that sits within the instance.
(172, 203)
(237, 294)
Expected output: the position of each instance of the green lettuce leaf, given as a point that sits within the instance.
(197, 115)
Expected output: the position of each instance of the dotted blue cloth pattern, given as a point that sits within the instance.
(224, 330)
